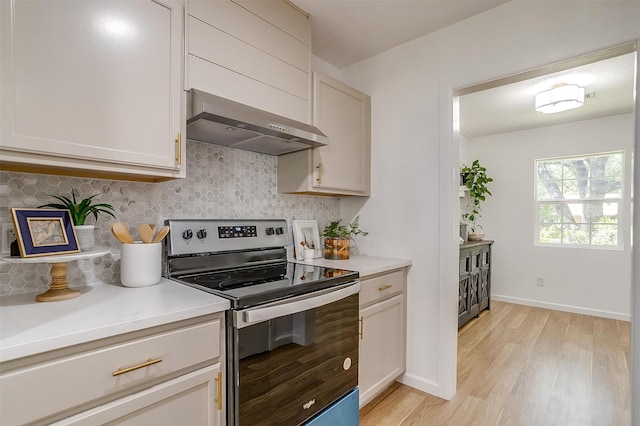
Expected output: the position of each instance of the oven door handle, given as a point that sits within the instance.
(291, 306)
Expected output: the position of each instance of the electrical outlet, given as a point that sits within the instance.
(8, 236)
(540, 282)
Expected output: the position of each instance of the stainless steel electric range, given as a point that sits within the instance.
(292, 331)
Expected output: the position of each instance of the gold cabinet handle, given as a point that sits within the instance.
(219, 398)
(361, 328)
(149, 362)
(385, 287)
(319, 167)
(179, 149)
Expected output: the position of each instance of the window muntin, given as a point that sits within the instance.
(579, 200)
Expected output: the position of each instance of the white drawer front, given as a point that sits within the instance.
(40, 390)
(381, 287)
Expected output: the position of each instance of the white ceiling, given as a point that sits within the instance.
(347, 31)
(608, 87)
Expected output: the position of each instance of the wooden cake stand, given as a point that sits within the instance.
(58, 289)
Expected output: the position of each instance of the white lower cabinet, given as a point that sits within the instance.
(166, 375)
(181, 401)
(382, 333)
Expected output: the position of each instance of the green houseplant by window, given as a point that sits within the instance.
(337, 238)
(475, 179)
(80, 211)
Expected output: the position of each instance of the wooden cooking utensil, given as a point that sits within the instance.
(153, 227)
(115, 236)
(121, 232)
(161, 234)
(145, 232)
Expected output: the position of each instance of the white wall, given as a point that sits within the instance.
(588, 281)
(414, 207)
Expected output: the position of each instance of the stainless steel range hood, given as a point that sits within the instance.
(221, 121)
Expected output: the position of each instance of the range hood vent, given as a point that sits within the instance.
(220, 121)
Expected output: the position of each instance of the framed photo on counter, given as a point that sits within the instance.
(42, 232)
(306, 231)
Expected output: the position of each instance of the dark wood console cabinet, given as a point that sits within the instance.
(474, 290)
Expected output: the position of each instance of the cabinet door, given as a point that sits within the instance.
(382, 340)
(343, 114)
(93, 85)
(191, 399)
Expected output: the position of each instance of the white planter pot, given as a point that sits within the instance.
(86, 236)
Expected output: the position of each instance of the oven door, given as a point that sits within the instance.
(292, 358)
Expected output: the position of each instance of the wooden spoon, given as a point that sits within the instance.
(153, 227)
(161, 234)
(146, 234)
(115, 236)
(121, 232)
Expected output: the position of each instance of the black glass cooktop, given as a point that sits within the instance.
(256, 285)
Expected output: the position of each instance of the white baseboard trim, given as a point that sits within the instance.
(564, 308)
(421, 383)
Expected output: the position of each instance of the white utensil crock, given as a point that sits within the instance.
(140, 264)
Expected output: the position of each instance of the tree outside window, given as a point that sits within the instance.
(579, 200)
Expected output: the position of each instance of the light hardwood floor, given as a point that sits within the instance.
(520, 365)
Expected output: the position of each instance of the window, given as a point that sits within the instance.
(579, 200)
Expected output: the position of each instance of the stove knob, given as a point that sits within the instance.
(269, 231)
(279, 230)
(187, 234)
(202, 233)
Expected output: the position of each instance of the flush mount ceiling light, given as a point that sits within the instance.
(561, 97)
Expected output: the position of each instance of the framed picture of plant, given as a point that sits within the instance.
(306, 236)
(42, 232)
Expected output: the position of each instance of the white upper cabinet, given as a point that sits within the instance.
(253, 52)
(343, 166)
(93, 87)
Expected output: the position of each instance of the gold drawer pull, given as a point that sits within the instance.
(136, 367)
(219, 398)
(385, 287)
(319, 167)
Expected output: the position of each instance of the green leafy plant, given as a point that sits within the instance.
(80, 210)
(336, 230)
(475, 178)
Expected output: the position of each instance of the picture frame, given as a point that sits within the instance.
(306, 230)
(44, 232)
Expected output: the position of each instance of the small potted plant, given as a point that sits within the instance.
(80, 211)
(475, 179)
(337, 238)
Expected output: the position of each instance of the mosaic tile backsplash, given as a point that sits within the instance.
(221, 183)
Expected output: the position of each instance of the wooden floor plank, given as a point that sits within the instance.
(521, 365)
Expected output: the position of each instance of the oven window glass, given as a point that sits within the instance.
(293, 366)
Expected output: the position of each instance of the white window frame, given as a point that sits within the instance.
(620, 200)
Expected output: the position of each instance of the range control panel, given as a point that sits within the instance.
(197, 236)
(237, 231)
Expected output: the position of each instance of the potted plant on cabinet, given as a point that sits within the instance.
(337, 238)
(475, 179)
(80, 211)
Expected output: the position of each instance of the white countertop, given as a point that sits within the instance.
(28, 327)
(365, 265)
